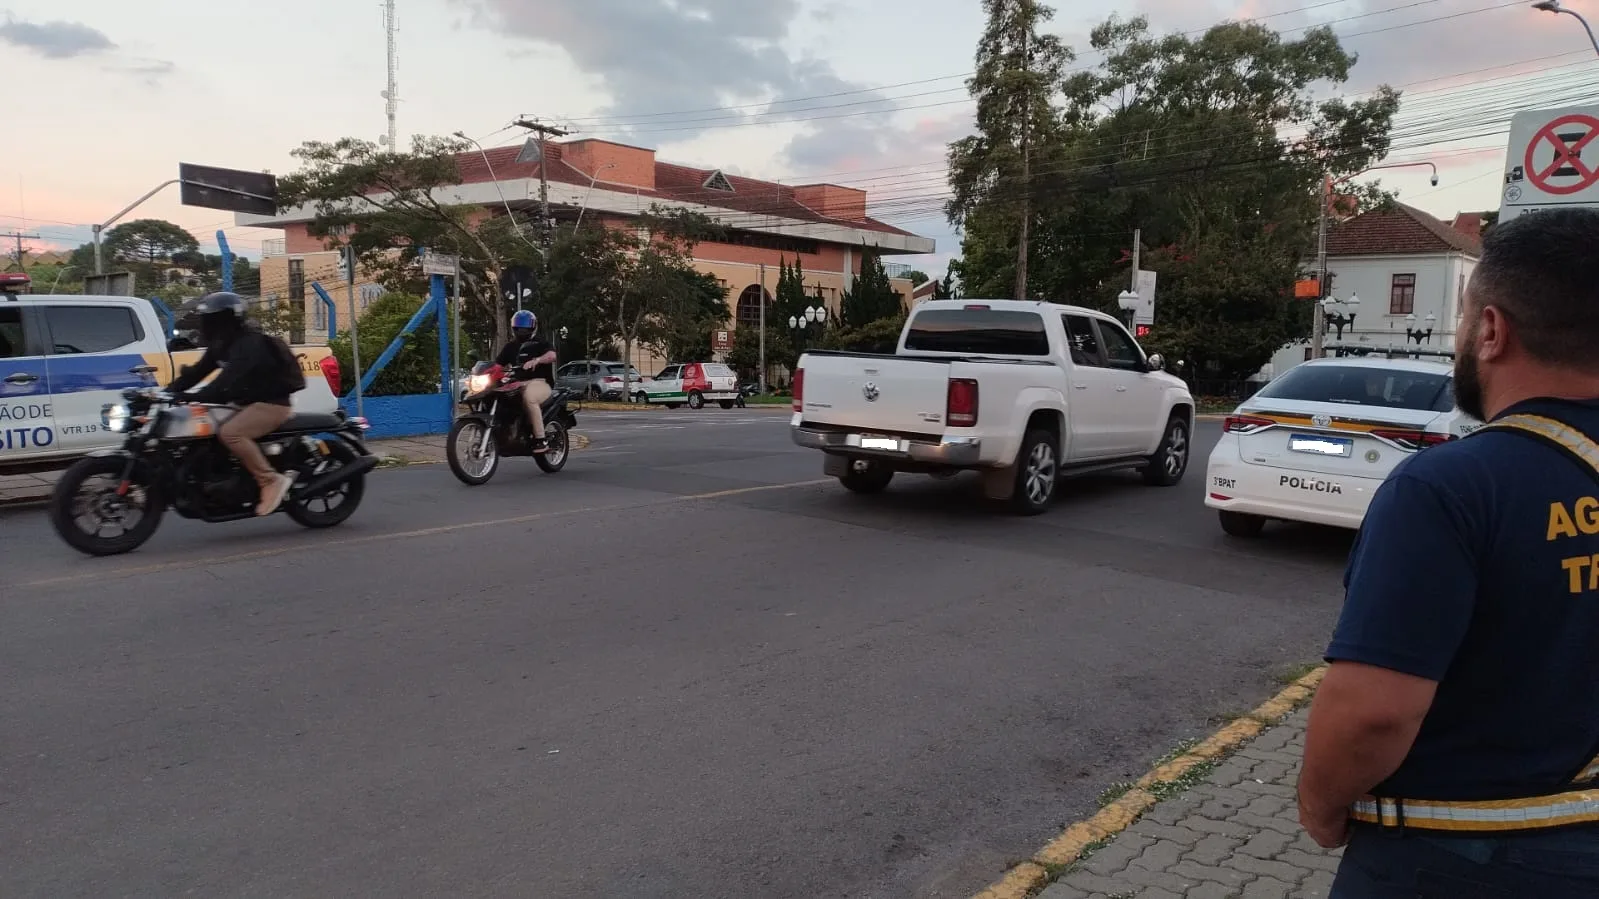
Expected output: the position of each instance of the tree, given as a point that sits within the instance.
(871, 298)
(414, 369)
(390, 205)
(147, 241)
(945, 289)
(1018, 71)
(917, 278)
(1181, 137)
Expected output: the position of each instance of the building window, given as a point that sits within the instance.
(297, 301)
(369, 294)
(770, 242)
(319, 315)
(717, 181)
(1402, 296)
(749, 307)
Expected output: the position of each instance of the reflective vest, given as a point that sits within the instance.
(1579, 805)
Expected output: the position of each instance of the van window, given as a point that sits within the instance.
(991, 332)
(91, 329)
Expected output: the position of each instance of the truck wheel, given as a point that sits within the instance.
(1238, 524)
(1037, 472)
(866, 477)
(1170, 461)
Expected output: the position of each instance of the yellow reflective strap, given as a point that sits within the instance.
(1572, 439)
(1588, 773)
(1558, 810)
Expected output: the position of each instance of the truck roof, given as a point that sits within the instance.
(1012, 305)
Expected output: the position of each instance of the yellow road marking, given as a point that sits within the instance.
(410, 535)
(1028, 877)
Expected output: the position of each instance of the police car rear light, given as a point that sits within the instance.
(1242, 424)
(1222, 496)
(1412, 440)
(330, 372)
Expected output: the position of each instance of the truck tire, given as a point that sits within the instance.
(1170, 461)
(866, 477)
(1239, 524)
(1037, 473)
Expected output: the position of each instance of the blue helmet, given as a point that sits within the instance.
(524, 320)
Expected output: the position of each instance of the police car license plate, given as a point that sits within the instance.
(1317, 445)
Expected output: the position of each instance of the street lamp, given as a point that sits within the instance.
(811, 314)
(1340, 320)
(1555, 7)
(1316, 330)
(1417, 334)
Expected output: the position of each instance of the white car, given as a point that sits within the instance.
(1317, 442)
(694, 384)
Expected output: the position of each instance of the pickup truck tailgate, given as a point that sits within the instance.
(877, 394)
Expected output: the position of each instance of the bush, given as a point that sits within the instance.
(413, 370)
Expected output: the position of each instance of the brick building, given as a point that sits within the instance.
(824, 226)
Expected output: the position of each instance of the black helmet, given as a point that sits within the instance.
(221, 314)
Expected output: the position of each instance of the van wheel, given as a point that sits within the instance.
(1170, 461)
(866, 477)
(1037, 473)
(1239, 524)
(696, 400)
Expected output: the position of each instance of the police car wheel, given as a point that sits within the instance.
(93, 518)
(1239, 524)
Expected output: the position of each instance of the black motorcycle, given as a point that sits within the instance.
(112, 502)
(497, 425)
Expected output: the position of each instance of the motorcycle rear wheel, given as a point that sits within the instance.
(461, 450)
(69, 505)
(322, 511)
(560, 445)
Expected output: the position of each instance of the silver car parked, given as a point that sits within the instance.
(595, 378)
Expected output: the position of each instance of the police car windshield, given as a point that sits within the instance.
(1364, 386)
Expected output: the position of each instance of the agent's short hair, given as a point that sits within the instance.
(1542, 271)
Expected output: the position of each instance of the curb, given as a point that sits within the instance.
(1028, 877)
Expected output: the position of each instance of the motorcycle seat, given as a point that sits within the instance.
(312, 421)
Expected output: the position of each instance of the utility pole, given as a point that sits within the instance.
(1317, 323)
(543, 131)
(20, 237)
(1027, 173)
(1138, 246)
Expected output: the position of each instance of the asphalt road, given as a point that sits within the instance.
(678, 668)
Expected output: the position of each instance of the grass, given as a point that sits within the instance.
(767, 400)
(1292, 675)
(1114, 792)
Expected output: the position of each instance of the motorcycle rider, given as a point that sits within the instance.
(258, 373)
(531, 358)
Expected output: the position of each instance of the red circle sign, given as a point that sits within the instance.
(1567, 149)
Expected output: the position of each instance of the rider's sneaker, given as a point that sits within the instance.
(272, 496)
(541, 446)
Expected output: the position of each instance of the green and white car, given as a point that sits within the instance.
(692, 384)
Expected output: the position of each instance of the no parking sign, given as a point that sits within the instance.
(1552, 160)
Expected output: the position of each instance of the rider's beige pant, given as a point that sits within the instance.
(535, 393)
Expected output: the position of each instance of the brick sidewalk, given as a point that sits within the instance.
(1235, 834)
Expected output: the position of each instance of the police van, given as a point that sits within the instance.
(63, 358)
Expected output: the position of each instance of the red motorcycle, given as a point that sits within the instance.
(497, 425)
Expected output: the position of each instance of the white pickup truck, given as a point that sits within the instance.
(1025, 392)
(63, 358)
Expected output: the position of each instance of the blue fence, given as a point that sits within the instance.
(409, 415)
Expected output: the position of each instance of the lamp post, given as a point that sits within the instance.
(1340, 320)
(1417, 334)
(1317, 331)
(1555, 7)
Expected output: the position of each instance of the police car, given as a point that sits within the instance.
(63, 358)
(1317, 442)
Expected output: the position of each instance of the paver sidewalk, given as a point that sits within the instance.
(1236, 834)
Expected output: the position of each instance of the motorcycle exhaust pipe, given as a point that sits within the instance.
(327, 481)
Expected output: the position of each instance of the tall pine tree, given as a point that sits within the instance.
(871, 298)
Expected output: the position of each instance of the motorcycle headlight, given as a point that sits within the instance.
(477, 383)
(115, 417)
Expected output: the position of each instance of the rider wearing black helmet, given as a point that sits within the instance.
(258, 373)
(529, 357)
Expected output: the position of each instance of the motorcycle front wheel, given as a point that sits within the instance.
(559, 442)
(91, 512)
(471, 461)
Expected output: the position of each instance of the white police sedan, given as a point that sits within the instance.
(1317, 442)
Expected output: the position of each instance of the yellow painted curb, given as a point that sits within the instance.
(1029, 876)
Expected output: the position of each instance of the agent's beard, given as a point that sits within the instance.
(1468, 379)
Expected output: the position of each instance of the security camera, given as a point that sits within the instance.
(1547, 6)
(1435, 181)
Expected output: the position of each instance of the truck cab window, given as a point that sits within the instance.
(1081, 339)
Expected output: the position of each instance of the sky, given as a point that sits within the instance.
(868, 93)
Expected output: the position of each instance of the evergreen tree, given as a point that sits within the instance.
(871, 298)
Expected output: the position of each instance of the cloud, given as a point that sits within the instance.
(55, 40)
(150, 71)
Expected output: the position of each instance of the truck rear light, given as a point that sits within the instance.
(961, 409)
(799, 390)
(330, 371)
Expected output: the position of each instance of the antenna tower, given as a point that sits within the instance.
(391, 94)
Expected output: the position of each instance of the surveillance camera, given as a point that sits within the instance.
(1435, 181)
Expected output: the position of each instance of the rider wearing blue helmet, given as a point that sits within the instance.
(530, 357)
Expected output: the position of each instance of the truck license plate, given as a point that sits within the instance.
(879, 443)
